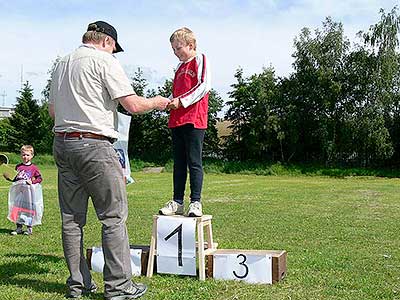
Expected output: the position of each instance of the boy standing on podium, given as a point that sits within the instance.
(188, 122)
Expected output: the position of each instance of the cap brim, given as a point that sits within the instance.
(118, 48)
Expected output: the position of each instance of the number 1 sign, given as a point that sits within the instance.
(176, 246)
(246, 266)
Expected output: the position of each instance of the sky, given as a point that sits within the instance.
(233, 34)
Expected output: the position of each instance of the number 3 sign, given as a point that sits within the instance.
(176, 246)
(246, 266)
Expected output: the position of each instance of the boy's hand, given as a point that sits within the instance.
(174, 104)
(6, 176)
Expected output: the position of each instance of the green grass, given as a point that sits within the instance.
(341, 235)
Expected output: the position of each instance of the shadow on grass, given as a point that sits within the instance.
(308, 169)
(6, 230)
(29, 266)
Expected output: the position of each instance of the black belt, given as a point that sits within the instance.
(87, 135)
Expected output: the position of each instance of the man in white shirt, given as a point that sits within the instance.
(86, 87)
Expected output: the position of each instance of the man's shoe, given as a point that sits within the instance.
(135, 291)
(195, 209)
(171, 208)
(87, 291)
(91, 290)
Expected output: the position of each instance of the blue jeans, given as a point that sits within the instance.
(90, 168)
(187, 148)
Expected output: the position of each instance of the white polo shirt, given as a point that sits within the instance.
(83, 90)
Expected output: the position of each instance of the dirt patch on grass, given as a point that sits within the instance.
(220, 200)
(370, 194)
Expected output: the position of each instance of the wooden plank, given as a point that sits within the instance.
(153, 250)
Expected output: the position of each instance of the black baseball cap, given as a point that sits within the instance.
(104, 27)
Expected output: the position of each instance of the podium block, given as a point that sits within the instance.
(143, 259)
(203, 247)
(279, 258)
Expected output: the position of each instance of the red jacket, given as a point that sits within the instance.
(192, 85)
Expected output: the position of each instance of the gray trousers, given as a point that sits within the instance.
(90, 168)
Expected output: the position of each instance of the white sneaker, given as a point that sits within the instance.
(17, 231)
(195, 209)
(171, 208)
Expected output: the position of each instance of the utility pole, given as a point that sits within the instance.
(4, 95)
(22, 76)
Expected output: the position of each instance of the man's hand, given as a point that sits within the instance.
(174, 104)
(6, 176)
(140, 105)
(160, 102)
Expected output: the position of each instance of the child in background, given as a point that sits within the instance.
(188, 121)
(28, 172)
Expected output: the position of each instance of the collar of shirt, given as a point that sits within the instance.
(184, 62)
(88, 46)
(93, 47)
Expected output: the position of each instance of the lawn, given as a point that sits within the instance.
(341, 235)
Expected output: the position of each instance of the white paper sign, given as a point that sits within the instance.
(121, 145)
(176, 246)
(251, 268)
(97, 260)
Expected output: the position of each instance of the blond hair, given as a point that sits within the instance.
(28, 148)
(185, 35)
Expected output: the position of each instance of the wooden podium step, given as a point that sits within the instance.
(204, 246)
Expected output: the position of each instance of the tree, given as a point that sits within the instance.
(46, 127)
(315, 92)
(235, 146)
(249, 112)
(212, 147)
(149, 137)
(4, 133)
(25, 121)
(383, 41)
(335, 107)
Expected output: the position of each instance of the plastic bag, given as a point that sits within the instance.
(121, 145)
(25, 203)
